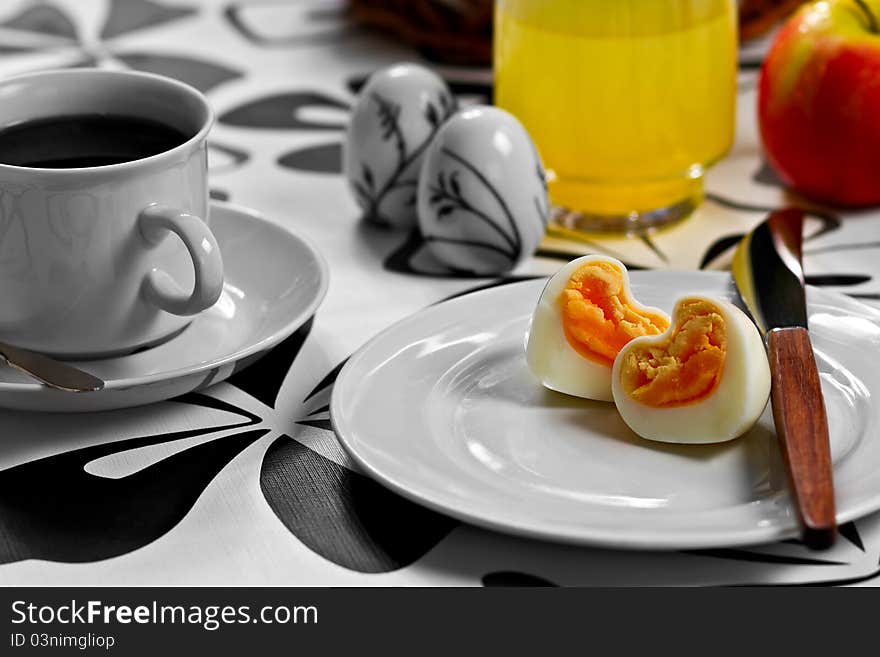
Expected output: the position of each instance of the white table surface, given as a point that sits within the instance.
(283, 506)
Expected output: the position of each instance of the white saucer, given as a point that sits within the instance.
(442, 408)
(275, 281)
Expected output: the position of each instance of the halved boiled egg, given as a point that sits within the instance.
(705, 380)
(585, 315)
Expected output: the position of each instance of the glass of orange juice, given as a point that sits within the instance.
(628, 102)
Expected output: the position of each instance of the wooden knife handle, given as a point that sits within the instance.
(802, 429)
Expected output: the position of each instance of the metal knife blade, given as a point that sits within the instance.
(48, 371)
(768, 272)
(769, 276)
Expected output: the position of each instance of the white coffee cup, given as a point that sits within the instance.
(88, 263)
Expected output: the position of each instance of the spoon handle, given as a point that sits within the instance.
(48, 371)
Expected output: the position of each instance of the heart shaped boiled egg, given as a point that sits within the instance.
(585, 316)
(705, 380)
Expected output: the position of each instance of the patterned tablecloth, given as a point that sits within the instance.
(245, 483)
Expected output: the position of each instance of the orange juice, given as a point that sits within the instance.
(627, 100)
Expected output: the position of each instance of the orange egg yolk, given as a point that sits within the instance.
(687, 368)
(598, 315)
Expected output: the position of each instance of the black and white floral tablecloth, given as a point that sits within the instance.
(245, 483)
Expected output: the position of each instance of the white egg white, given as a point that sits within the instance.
(727, 412)
(550, 356)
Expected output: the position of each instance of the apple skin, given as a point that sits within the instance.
(819, 102)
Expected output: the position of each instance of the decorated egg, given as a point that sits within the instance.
(398, 112)
(482, 201)
(585, 316)
(705, 380)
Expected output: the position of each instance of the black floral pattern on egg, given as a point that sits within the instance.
(482, 194)
(394, 120)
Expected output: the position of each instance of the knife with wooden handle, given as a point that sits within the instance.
(769, 276)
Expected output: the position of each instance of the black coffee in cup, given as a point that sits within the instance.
(87, 140)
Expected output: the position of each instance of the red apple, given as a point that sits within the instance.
(819, 102)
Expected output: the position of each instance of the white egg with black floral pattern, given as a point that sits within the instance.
(482, 192)
(398, 112)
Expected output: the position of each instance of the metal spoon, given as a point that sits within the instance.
(49, 372)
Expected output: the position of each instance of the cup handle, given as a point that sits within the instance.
(159, 288)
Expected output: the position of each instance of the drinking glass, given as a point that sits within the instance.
(628, 102)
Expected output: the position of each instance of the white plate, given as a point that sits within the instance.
(442, 409)
(274, 282)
